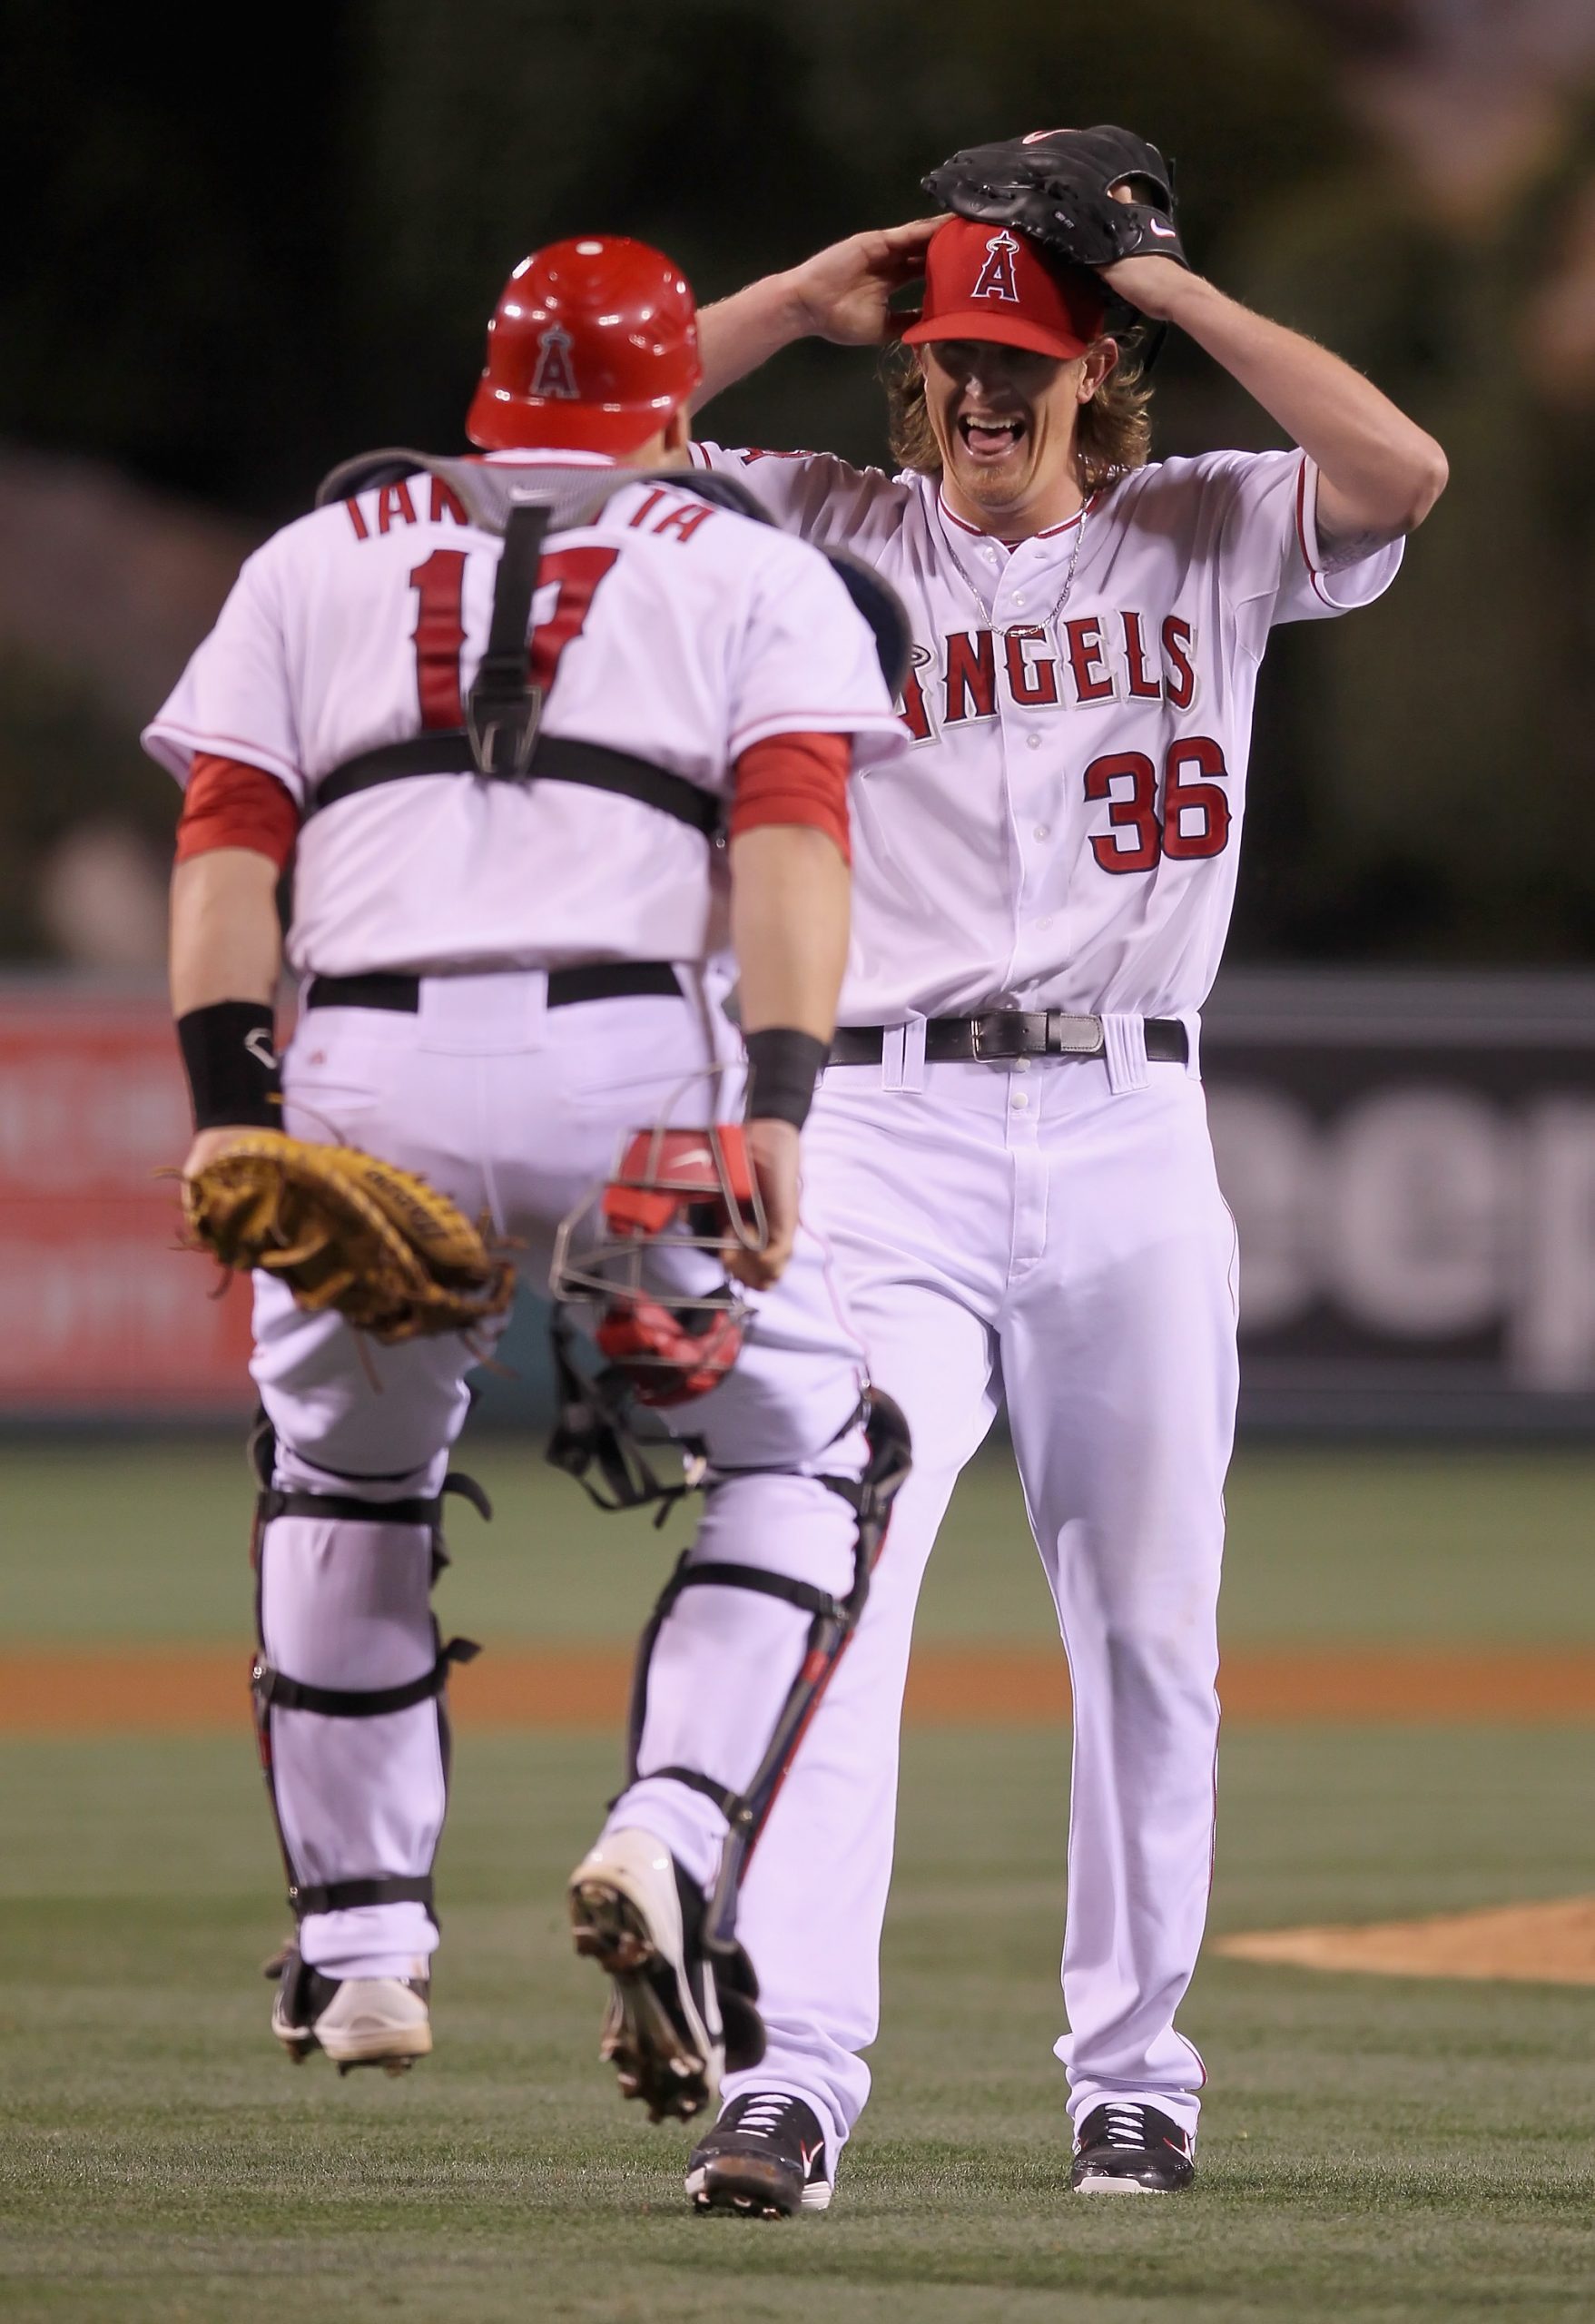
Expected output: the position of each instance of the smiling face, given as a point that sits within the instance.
(1005, 421)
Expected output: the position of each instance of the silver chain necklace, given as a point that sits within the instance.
(1061, 599)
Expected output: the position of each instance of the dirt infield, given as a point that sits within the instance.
(173, 1690)
(1542, 1945)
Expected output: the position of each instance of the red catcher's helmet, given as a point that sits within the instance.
(673, 1192)
(593, 344)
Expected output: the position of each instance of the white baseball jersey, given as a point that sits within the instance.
(1064, 831)
(675, 631)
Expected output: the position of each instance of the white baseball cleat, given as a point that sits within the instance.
(358, 2021)
(634, 1913)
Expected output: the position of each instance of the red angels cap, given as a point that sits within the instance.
(989, 283)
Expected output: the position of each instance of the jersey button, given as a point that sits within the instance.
(1032, 742)
(1042, 830)
(1045, 920)
(1019, 601)
(1021, 1100)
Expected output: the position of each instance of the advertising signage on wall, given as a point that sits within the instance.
(1411, 1160)
(101, 1314)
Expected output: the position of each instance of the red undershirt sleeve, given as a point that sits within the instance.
(228, 803)
(795, 778)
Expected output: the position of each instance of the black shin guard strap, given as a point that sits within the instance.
(747, 1577)
(272, 1691)
(347, 1507)
(730, 1803)
(349, 1896)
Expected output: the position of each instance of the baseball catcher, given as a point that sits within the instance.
(544, 733)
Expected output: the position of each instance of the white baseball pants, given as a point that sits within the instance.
(516, 1110)
(1024, 1233)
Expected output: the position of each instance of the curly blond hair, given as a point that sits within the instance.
(1115, 432)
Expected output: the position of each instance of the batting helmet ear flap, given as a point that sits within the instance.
(881, 607)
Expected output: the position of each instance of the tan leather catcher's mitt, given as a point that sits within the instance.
(342, 1229)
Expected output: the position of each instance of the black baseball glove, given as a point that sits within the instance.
(1058, 188)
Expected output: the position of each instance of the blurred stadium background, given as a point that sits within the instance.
(230, 279)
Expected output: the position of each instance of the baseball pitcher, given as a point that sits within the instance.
(543, 732)
(1009, 1147)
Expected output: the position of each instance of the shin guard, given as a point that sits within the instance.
(833, 1621)
(349, 1686)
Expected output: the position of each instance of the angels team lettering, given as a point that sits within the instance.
(1102, 657)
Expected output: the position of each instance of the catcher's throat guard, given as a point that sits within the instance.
(631, 1250)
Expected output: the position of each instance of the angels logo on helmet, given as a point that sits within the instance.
(555, 371)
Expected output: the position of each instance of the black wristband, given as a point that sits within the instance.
(230, 1054)
(784, 1065)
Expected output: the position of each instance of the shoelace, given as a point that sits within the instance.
(1126, 2126)
(764, 2116)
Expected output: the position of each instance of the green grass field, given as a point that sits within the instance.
(1370, 2148)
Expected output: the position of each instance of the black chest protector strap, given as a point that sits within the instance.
(558, 758)
(503, 709)
(501, 739)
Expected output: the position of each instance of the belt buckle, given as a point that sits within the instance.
(1000, 1037)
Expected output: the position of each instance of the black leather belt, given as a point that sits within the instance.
(1008, 1033)
(599, 980)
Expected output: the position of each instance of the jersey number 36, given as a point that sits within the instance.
(1193, 820)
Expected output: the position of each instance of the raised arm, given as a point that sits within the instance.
(1378, 473)
(842, 293)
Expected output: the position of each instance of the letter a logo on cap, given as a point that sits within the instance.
(996, 276)
(555, 373)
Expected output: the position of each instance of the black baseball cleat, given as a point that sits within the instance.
(763, 2159)
(358, 2021)
(1131, 2150)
